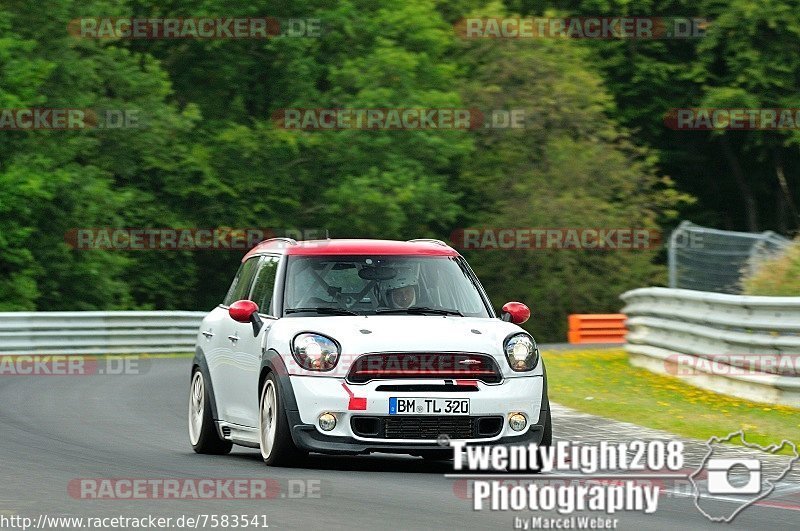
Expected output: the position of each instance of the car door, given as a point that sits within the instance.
(246, 347)
(220, 351)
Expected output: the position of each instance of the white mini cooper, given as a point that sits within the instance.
(359, 346)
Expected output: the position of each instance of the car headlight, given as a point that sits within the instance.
(521, 352)
(315, 352)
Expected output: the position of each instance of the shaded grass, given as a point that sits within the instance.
(602, 382)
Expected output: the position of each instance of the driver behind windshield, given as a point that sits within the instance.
(403, 297)
(401, 291)
(374, 285)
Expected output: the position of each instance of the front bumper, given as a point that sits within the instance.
(309, 438)
(315, 395)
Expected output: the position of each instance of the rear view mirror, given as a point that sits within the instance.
(516, 312)
(245, 311)
(242, 311)
(377, 273)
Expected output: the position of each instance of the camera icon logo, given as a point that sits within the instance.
(722, 476)
(733, 471)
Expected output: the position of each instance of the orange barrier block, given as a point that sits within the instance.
(597, 328)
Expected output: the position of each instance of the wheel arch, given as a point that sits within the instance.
(272, 363)
(199, 362)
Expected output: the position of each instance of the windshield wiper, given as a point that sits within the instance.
(420, 310)
(321, 310)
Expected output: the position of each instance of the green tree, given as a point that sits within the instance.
(571, 165)
(747, 57)
(56, 181)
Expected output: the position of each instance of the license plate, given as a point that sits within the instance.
(428, 406)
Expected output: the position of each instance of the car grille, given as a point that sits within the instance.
(415, 365)
(426, 427)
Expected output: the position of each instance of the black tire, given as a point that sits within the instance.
(208, 440)
(283, 452)
(547, 436)
(546, 442)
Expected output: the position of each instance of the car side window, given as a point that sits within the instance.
(265, 284)
(240, 288)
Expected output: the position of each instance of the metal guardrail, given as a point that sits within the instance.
(98, 332)
(718, 327)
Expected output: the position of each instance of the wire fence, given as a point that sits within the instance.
(705, 259)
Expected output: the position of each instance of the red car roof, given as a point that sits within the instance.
(352, 247)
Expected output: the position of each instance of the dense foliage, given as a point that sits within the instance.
(748, 57)
(594, 151)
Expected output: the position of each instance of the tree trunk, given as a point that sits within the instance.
(750, 207)
(787, 193)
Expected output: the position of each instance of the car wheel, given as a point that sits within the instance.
(547, 436)
(277, 447)
(546, 442)
(202, 432)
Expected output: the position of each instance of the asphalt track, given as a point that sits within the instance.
(59, 428)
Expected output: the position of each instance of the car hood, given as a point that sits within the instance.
(399, 333)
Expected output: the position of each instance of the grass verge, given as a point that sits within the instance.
(601, 382)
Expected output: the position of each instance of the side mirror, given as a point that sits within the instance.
(246, 312)
(515, 312)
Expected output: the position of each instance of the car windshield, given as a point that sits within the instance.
(376, 285)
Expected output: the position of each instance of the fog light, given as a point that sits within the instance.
(517, 421)
(327, 421)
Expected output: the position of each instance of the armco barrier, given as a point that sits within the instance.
(725, 340)
(98, 332)
(596, 328)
